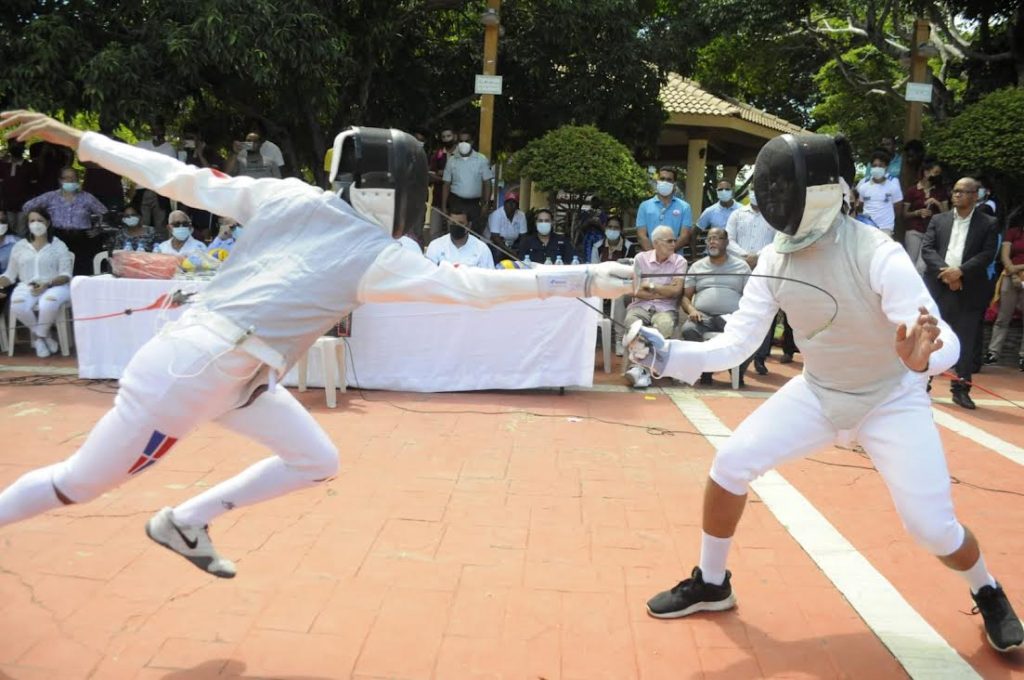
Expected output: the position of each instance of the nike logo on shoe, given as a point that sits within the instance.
(190, 542)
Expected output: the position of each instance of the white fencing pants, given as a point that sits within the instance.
(38, 312)
(899, 436)
(180, 379)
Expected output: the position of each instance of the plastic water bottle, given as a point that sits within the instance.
(575, 259)
(558, 260)
(547, 260)
(526, 260)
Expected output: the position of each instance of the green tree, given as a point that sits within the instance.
(988, 139)
(575, 162)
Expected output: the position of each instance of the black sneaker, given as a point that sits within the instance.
(991, 358)
(1002, 627)
(693, 595)
(1020, 364)
(759, 367)
(705, 379)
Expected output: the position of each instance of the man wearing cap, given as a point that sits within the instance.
(506, 224)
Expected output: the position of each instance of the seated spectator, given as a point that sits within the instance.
(922, 200)
(459, 247)
(545, 247)
(41, 266)
(506, 224)
(250, 161)
(880, 193)
(181, 242)
(134, 234)
(614, 246)
(657, 302)
(72, 211)
(7, 241)
(715, 293)
(228, 231)
(857, 209)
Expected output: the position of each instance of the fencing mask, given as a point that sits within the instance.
(382, 174)
(799, 181)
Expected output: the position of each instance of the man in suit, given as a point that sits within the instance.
(958, 247)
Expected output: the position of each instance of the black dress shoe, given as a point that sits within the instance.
(962, 399)
(991, 358)
(786, 359)
(1020, 364)
(759, 367)
(705, 379)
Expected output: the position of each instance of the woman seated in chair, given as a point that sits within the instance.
(41, 265)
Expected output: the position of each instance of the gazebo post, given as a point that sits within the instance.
(696, 163)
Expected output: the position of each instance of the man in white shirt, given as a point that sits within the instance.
(179, 226)
(507, 223)
(880, 193)
(467, 182)
(460, 247)
(153, 208)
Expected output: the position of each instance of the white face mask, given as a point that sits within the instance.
(465, 148)
(37, 228)
(612, 234)
(181, 233)
(3, 228)
(665, 188)
(543, 228)
(877, 172)
(131, 221)
(724, 195)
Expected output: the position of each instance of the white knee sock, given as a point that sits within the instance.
(32, 494)
(713, 553)
(269, 478)
(977, 576)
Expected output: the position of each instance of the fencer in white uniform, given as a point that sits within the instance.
(308, 259)
(864, 377)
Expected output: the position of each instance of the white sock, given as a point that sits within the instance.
(269, 478)
(31, 494)
(978, 577)
(713, 553)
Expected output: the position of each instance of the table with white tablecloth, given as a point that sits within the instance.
(408, 346)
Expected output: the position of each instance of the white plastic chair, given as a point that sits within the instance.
(97, 262)
(332, 361)
(3, 332)
(734, 372)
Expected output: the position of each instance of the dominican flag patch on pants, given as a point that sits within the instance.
(158, 445)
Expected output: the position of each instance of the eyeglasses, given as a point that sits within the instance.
(956, 192)
(181, 224)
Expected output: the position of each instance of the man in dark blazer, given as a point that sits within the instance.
(958, 246)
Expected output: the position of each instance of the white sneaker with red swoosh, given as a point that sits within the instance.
(192, 543)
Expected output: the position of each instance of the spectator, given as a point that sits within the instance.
(134, 234)
(925, 198)
(467, 182)
(657, 302)
(987, 202)
(46, 162)
(913, 159)
(1011, 288)
(7, 241)
(195, 151)
(880, 194)
(72, 211)
(545, 247)
(893, 160)
(267, 149)
(593, 221)
(228, 232)
(857, 209)
(41, 266)
(15, 186)
(748, 233)
(152, 206)
(436, 165)
(180, 242)
(460, 247)
(249, 161)
(717, 215)
(506, 224)
(715, 293)
(664, 208)
(957, 249)
(614, 246)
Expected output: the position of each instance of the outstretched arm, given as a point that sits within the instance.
(400, 276)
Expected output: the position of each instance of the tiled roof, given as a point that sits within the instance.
(682, 95)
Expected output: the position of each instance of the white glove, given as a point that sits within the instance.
(647, 347)
(609, 280)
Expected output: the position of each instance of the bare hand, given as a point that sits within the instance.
(696, 316)
(916, 346)
(38, 288)
(751, 261)
(29, 124)
(950, 274)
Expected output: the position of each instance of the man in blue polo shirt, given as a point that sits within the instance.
(664, 208)
(717, 216)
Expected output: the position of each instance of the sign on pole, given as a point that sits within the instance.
(488, 85)
(919, 92)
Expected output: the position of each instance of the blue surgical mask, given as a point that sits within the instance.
(877, 172)
(543, 228)
(70, 187)
(725, 195)
(665, 188)
(237, 231)
(181, 233)
(612, 234)
(131, 221)
(982, 193)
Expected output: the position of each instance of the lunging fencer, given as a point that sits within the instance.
(221, 360)
(866, 366)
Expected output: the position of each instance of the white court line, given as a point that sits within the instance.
(917, 646)
(980, 436)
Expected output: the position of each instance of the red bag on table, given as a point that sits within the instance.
(129, 264)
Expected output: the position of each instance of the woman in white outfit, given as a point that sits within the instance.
(41, 265)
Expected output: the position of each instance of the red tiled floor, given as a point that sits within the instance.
(456, 546)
